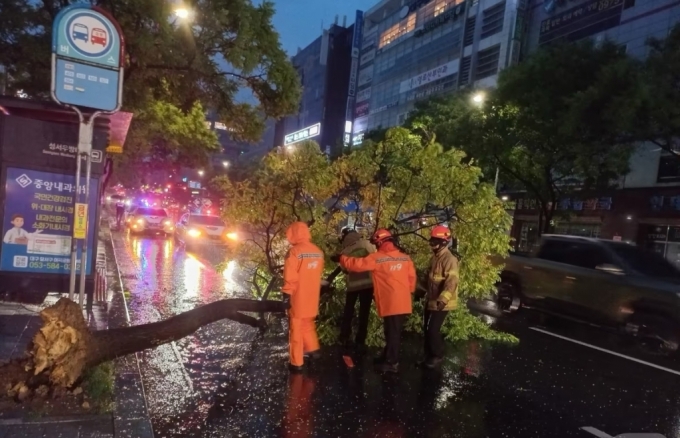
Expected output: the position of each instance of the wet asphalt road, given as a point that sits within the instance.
(226, 380)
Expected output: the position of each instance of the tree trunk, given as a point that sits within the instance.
(65, 347)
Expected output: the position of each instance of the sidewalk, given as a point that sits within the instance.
(129, 417)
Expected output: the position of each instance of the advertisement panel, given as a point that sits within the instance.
(352, 89)
(360, 125)
(581, 21)
(356, 49)
(303, 134)
(362, 110)
(358, 32)
(366, 76)
(367, 57)
(38, 222)
(436, 73)
(364, 94)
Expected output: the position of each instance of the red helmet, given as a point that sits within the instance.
(440, 232)
(380, 236)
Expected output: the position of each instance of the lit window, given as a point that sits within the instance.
(402, 28)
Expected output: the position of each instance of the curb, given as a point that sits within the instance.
(51, 420)
(131, 412)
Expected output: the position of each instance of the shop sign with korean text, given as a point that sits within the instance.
(429, 76)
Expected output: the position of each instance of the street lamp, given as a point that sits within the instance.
(478, 98)
(225, 163)
(182, 13)
(200, 173)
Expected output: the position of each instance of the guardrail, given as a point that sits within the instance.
(101, 291)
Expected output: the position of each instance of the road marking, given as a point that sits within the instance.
(604, 350)
(597, 432)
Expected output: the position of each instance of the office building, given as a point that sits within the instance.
(411, 50)
(324, 70)
(645, 207)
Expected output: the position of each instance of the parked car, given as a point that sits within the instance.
(200, 229)
(599, 281)
(150, 220)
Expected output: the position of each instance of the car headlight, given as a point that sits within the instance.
(232, 236)
(167, 222)
(193, 233)
(140, 221)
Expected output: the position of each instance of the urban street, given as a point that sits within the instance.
(562, 379)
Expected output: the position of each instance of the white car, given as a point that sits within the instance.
(200, 229)
(150, 219)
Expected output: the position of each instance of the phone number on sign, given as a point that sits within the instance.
(49, 265)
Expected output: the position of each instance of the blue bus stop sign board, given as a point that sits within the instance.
(88, 52)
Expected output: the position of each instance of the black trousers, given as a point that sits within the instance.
(365, 296)
(393, 327)
(434, 341)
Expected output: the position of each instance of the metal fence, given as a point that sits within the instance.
(100, 285)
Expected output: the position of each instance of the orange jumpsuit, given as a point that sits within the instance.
(302, 272)
(394, 278)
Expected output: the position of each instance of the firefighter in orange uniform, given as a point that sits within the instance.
(302, 286)
(394, 281)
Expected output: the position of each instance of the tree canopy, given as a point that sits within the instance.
(557, 124)
(405, 183)
(657, 119)
(227, 47)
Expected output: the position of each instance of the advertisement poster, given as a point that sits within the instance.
(38, 222)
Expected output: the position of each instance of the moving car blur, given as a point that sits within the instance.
(202, 229)
(150, 220)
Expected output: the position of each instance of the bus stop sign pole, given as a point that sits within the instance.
(88, 52)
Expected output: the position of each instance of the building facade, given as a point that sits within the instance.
(415, 49)
(645, 208)
(324, 69)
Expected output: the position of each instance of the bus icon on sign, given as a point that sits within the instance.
(98, 36)
(80, 32)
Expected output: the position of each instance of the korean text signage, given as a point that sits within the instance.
(362, 109)
(38, 222)
(581, 21)
(80, 224)
(87, 54)
(570, 204)
(668, 203)
(358, 28)
(303, 134)
(366, 75)
(436, 73)
(441, 19)
(364, 95)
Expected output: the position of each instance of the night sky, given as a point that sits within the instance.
(299, 21)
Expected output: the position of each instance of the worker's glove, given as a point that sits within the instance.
(335, 258)
(440, 305)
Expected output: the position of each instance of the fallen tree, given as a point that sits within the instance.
(64, 347)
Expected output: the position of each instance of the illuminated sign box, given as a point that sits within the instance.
(303, 134)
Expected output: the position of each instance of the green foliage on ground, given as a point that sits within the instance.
(226, 47)
(98, 385)
(407, 182)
